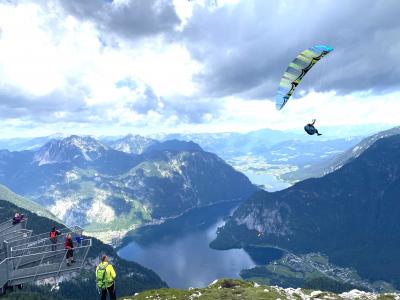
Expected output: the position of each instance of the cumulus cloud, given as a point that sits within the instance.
(132, 19)
(53, 64)
(170, 65)
(245, 48)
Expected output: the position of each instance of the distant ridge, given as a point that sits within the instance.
(350, 214)
(336, 162)
(15, 199)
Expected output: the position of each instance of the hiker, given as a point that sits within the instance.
(105, 277)
(53, 237)
(69, 246)
(17, 218)
(78, 240)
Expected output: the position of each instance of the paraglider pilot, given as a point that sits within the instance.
(310, 129)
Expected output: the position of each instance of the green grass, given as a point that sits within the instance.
(234, 289)
(285, 271)
(229, 289)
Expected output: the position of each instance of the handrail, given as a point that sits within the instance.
(64, 230)
(4, 273)
(46, 273)
(51, 252)
(89, 241)
(5, 224)
(20, 258)
(12, 235)
(64, 257)
(30, 245)
(29, 258)
(22, 222)
(18, 231)
(54, 272)
(9, 221)
(24, 231)
(37, 269)
(15, 239)
(45, 236)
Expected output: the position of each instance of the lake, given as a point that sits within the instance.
(179, 251)
(269, 181)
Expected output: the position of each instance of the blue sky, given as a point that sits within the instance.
(148, 66)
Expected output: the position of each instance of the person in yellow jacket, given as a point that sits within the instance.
(105, 277)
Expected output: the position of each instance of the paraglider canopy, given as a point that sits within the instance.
(296, 70)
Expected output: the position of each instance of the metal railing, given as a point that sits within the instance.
(21, 233)
(3, 272)
(40, 240)
(9, 226)
(24, 233)
(42, 263)
(25, 257)
(6, 224)
(45, 236)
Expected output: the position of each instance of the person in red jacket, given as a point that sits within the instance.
(69, 246)
(53, 237)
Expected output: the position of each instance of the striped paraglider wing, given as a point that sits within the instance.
(296, 70)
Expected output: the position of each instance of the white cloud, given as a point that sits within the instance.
(328, 108)
(76, 66)
(43, 50)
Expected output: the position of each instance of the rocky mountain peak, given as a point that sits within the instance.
(68, 149)
(135, 144)
(351, 212)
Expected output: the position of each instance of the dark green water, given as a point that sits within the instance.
(178, 250)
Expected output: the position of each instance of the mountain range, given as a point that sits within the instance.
(333, 163)
(261, 155)
(350, 214)
(135, 144)
(84, 182)
(272, 159)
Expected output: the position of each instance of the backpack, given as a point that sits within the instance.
(101, 276)
(53, 235)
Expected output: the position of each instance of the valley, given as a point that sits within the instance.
(350, 218)
(178, 250)
(108, 191)
(199, 150)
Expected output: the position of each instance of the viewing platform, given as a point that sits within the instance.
(27, 258)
